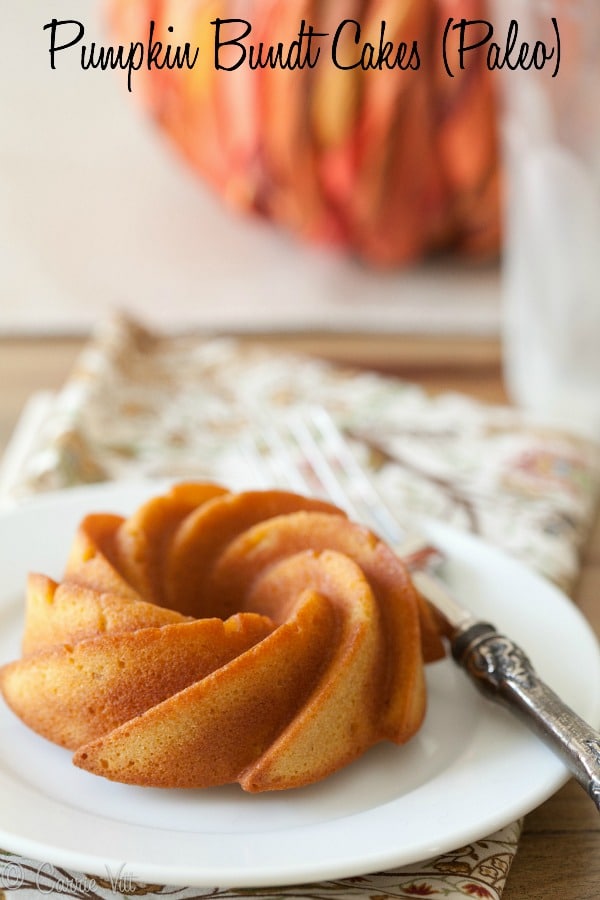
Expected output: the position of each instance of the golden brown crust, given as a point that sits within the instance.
(213, 637)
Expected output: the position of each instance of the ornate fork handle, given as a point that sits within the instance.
(502, 671)
(496, 665)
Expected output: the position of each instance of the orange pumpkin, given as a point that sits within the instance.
(390, 165)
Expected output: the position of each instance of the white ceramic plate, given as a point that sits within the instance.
(470, 770)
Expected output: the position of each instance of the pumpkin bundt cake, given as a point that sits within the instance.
(215, 637)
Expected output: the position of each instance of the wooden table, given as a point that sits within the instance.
(559, 856)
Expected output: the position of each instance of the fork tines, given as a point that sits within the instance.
(305, 451)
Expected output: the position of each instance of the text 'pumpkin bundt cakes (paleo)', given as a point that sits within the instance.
(214, 637)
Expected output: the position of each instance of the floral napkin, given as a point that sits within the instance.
(140, 404)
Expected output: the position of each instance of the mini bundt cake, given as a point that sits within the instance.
(215, 637)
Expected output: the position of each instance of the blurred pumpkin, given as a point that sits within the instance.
(389, 165)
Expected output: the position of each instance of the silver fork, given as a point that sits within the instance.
(307, 453)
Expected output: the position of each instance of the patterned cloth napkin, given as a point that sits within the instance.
(144, 405)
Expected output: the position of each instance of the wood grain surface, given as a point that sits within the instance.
(559, 856)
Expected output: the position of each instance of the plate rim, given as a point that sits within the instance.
(259, 874)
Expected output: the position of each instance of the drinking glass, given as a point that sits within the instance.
(551, 277)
